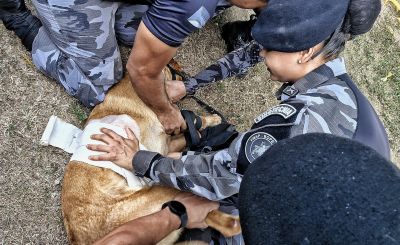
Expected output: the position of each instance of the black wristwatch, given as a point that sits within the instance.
(179, 209)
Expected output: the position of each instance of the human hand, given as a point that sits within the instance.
(172, 121)
(175, 90)
(118, 149)
(197, 209)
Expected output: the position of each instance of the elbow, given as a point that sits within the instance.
(136, 73)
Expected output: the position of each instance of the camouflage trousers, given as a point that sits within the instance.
(78, 43)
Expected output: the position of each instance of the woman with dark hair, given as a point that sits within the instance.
(284, 29)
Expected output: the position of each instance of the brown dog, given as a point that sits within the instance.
(97, 200)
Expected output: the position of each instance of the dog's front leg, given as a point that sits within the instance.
(177, 143)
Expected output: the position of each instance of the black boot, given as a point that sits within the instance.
(237, 33)
(16, 17)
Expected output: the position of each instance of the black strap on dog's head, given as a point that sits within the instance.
(212, 138)
(193, 123)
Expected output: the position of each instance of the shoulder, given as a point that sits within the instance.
(283, 113)
(334, 91)
(329, 108)
(269, 127)
(274, 124)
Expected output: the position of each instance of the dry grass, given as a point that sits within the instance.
(30, 175)
(373, 62)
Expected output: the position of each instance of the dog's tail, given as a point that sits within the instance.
(228, 225)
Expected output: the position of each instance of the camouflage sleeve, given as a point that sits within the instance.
(212, 175)
(331, 109)
(236, 63)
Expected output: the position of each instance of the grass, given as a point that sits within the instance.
(77, 110)
(12, 127)
(374, 64)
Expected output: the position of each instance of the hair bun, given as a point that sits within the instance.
(362, 15)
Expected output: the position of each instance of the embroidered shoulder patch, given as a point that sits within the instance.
(290, 91)
(283, 110)
(199, 18)
(257, 144)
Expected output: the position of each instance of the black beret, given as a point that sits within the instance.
(296, 25)
(320, 189)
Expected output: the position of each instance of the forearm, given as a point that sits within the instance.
(236, 62)
(150, 88)
(145, 230)
(148, 58)
(212, 176)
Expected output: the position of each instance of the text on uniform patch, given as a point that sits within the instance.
(283, 110)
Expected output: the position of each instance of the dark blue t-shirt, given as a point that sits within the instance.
(172, 21)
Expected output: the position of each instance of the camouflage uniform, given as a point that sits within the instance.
(319, 102)
(77, 44)
(236, 63)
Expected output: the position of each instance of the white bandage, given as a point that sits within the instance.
(60, 134)
(63, 135)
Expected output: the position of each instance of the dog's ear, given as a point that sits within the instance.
(168, 74)
(176, 71)
(227, 225)
(172, 74)
(175, 65)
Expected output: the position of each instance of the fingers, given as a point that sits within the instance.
(109, 136)
(101, 148)
(171, 120)
(111, 151)
(197, 209)
(169, 131)
(177, 131)
(112, 134)
(131, 135)
(172, 131)
(183, 195)
(103, 138)
(103, 157)
(131, 141)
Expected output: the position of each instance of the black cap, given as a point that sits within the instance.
(296, 25)
(320, 189)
